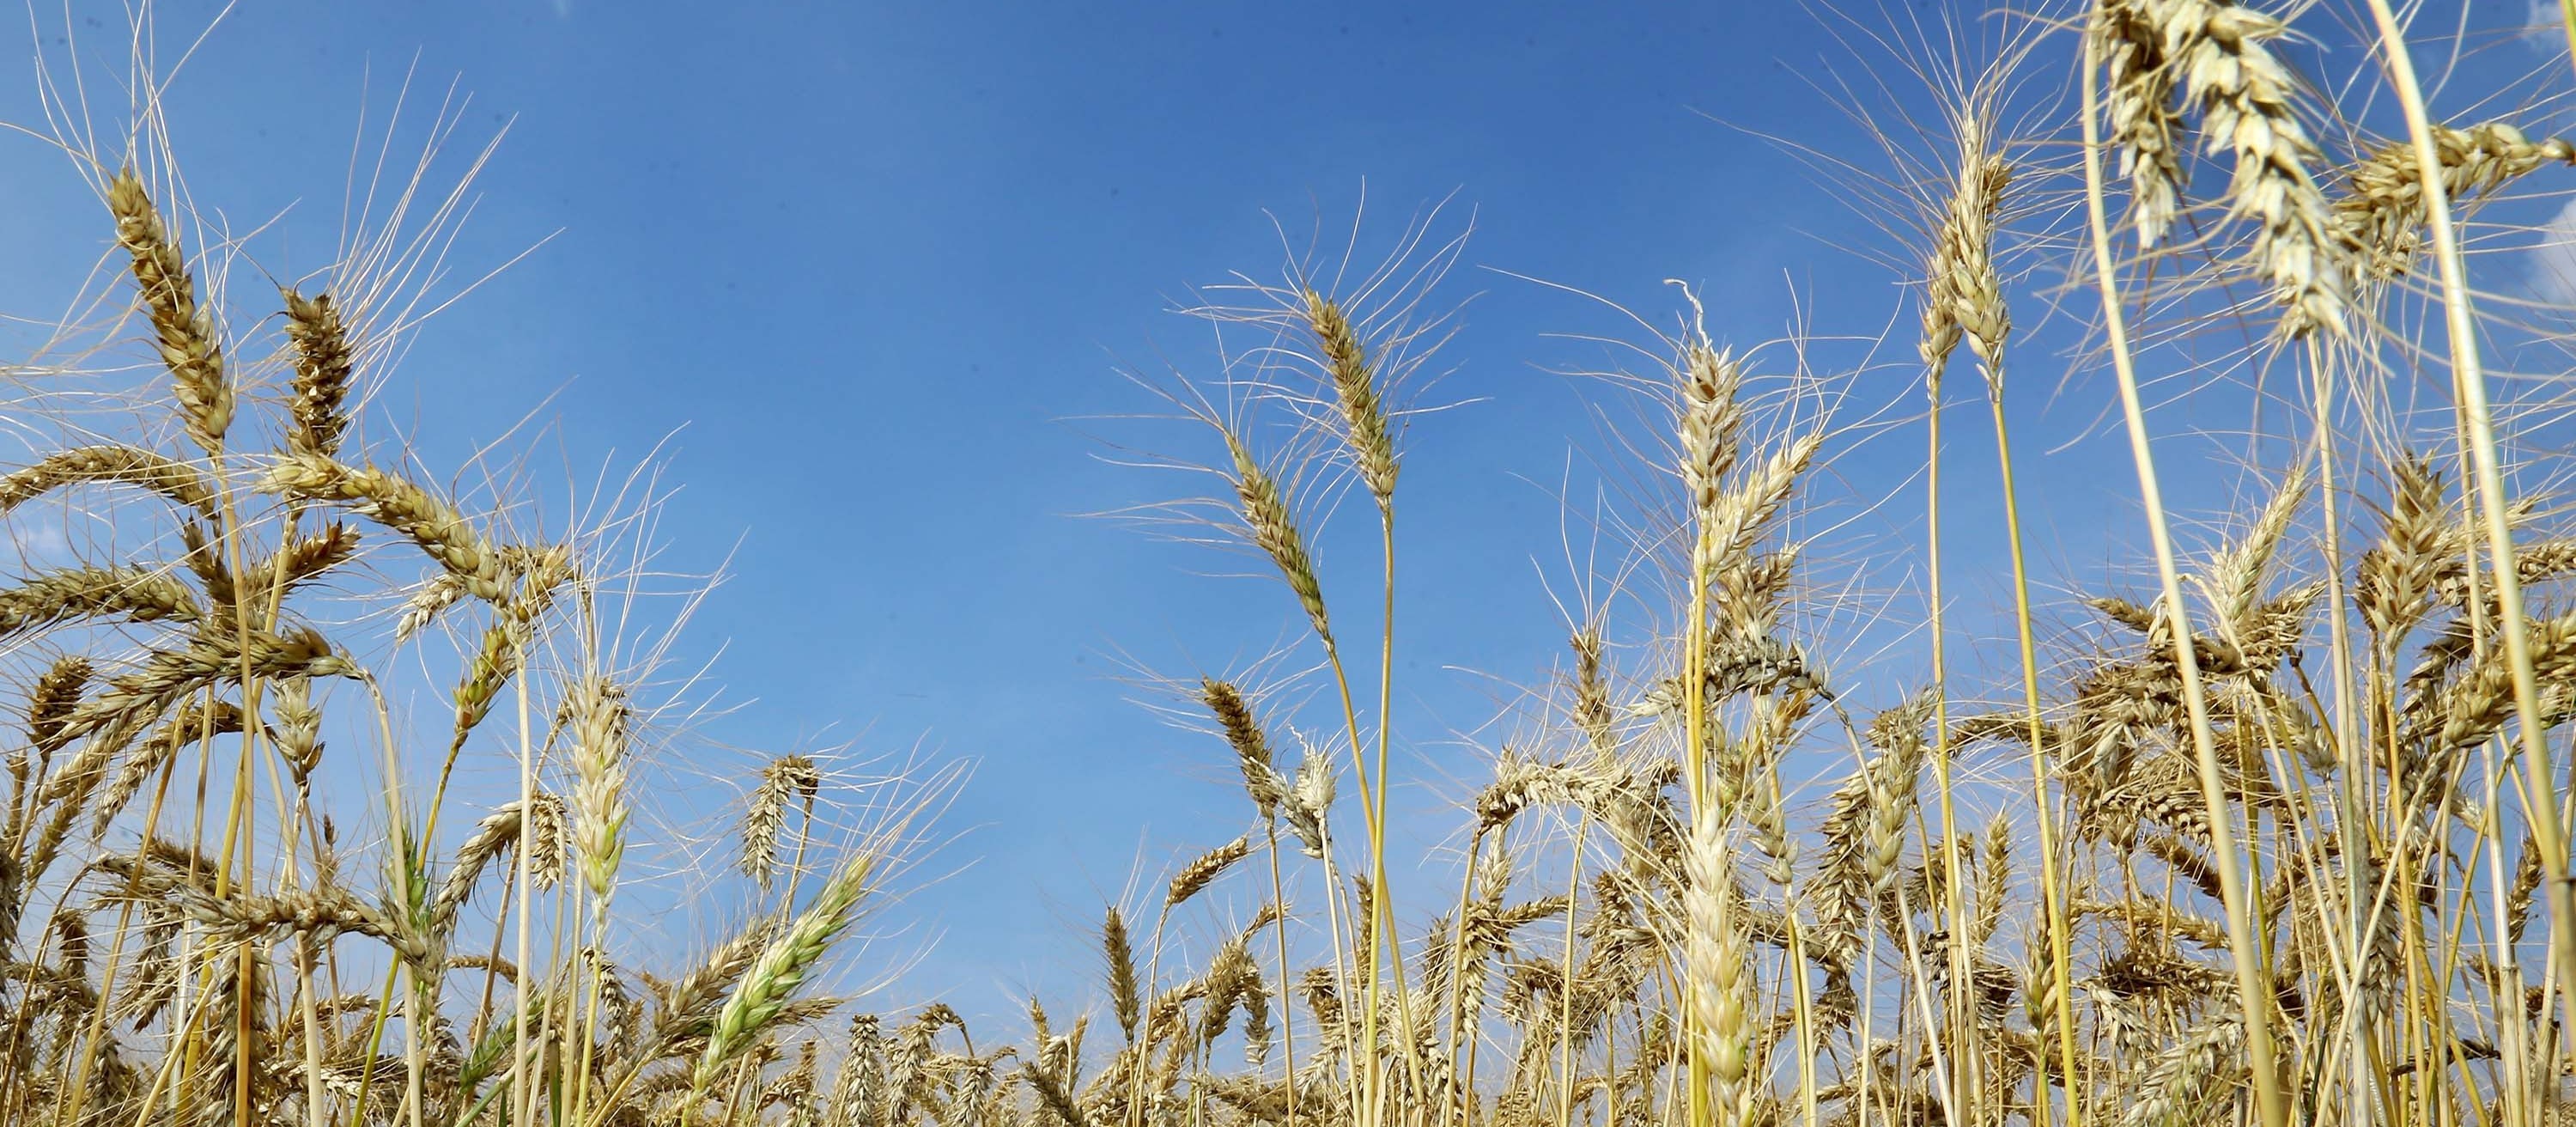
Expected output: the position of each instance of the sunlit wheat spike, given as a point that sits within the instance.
(131, 592)
(1309, 803)
(504, 645)
(188, 726)
(111, 463)
(2216, 56)
(1272, 527)
(323, 362)
(299, 725)
(860, 1091)
(399, 505)
(1230, 973)
(2382, 208)
(2243, 569)
(1963, 293)
(1718, 982)
(1994, 880)
(1125, 996)
(499, 832)
(1356, 392)
(2206, 1058)
(1261, 780)
(788, 780)
(190, 346)
(305, 558)
(2518, 899)
(2395, 578)
(1711, 419)
(1898, 734)
(599, 722)
(49, 704)
(1203, 870)
(2146, 127)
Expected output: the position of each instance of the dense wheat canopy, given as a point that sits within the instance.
(335, 775)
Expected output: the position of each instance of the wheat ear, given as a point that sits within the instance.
(190, 347)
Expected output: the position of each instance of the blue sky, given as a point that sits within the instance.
(868, 267)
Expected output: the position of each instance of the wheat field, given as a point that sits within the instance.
(2268, 825)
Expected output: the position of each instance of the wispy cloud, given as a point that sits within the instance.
(2553, 259)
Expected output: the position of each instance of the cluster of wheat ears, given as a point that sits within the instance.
(2283, 841)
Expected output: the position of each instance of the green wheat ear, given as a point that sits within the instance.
(782, 967)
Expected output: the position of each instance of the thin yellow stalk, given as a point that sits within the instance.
(1565, 997)
(1694, 751)
(521, 1109)
(2052, 902)
(2252, 976)
(1287, 1011)
(1957, 905)
(2468, 375)
(1457, 957)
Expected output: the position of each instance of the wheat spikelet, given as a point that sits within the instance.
(1898, 734)
(1711, 419)
(1203, 870)
(1963, 293)
(1719, 987)
(192, 724)
(2215, 55)
(2146, 129)
(1356, 392)
(1994, 879)
(299, 726)
(859, 1093)
(2394, 579)
(109, 463)
(112, 718)
(787, 780)
(127, 591)
(1592, 711)
(599, 719)
(505, 641)
(1053, 1097)
(305, 558)
(399, 505)
(2245, 96)
(1229, 976)
(1740, 516)
(2186, 1072)
(2478, 704)
(1518, 784)
(1125, 998)
(498, 832)
(758, 1002)
(190, 347)
(2382, 208)
(1272, 526)
(50, 703)
(322, 368)
(2518, 898)
(1251, 746)
(1309, 802)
